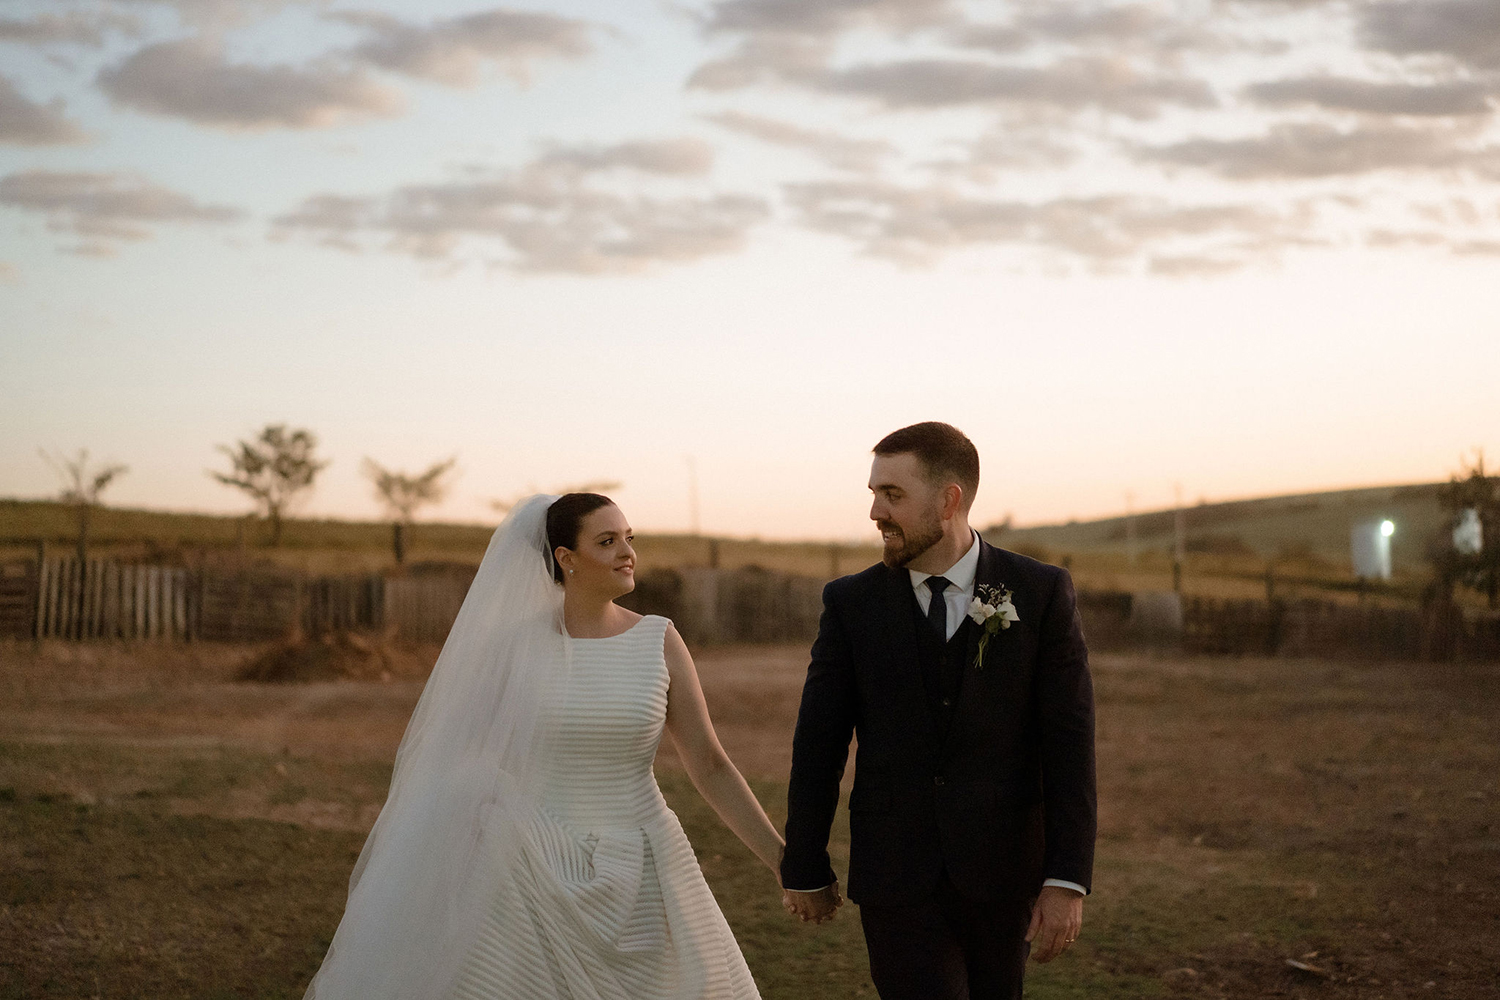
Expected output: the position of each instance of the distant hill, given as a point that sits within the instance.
(1304, 524)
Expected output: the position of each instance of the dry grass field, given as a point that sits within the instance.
(167, 832)
(330, 546)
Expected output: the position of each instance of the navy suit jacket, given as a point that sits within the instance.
(1003, 800)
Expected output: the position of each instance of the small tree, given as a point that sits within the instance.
(402, 495)
(1471, 489)
(273, 469)
(81, 489)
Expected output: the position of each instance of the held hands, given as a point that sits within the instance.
(817, 906)
(1056, 920)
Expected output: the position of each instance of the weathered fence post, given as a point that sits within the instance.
(39, 598)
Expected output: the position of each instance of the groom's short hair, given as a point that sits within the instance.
(946, 454)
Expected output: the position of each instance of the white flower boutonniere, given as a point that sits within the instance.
(992, 611)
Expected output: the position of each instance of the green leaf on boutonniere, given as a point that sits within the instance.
(992, 610)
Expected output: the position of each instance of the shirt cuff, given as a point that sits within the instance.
(1067, 885)
(818, 889)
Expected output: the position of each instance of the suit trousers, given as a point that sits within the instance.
(948, 947)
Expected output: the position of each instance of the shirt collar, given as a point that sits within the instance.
(961, 574)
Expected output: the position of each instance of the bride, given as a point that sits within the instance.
(524, 849)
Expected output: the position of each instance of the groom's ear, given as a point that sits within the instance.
(953, 501)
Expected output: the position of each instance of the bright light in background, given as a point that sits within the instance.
(1387, 528)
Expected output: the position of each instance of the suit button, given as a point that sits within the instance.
(947, 702)
(937, 779)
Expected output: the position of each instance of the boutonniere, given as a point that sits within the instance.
(992, 611)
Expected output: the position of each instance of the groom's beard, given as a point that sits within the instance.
(905, 547)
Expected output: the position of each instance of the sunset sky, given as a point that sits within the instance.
(1247, 246)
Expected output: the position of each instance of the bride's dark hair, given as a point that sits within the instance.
(565, 518)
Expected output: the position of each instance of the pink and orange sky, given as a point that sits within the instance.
(1247, 246)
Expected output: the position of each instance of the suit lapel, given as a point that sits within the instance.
(899, 622)
(987, 573)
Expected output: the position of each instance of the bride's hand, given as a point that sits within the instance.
(819, 905)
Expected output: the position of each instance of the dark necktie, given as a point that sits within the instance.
(937, 608)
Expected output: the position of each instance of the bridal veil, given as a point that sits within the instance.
(465, 776)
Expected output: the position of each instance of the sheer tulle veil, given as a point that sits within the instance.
(465, 776)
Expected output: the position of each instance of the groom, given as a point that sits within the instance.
(972, 815)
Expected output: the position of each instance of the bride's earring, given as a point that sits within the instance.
(572, 571)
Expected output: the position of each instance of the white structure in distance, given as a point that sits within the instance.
(1468, 534)
(1370, 549)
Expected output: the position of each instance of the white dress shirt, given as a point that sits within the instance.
(960, 592)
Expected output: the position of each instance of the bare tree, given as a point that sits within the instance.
(81, 489)
(273, 469)
(402, 495)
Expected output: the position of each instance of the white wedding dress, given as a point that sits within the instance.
(604, 899)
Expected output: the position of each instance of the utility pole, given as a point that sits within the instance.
(1179, 539)
(1130, 528)
(692, 464)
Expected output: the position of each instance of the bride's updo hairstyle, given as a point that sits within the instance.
(565, 519)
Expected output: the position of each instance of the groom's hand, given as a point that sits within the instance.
(818, 905)
(1056, 920)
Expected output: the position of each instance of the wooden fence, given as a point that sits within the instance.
(18, 588)
(64, 599)
(1295, 628)
(106, 600)
(423, 608)
(102, 600)
(741, 605)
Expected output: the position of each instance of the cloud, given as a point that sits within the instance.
(1338, 93)
(1073, 84)
(219, 14)
(455, 51)
(103, 207)
(1477, 248)
(1468, 30)
(69, 28)
(1304, 150)
(1191, 266)
(1015, 145)
(915, 224)
(546, 216)
(824, 18)
(671, 157)
(1003, 39)
(26, 123)
(793, 43)
(191, 79)
(840, 152)
(1390, 238)
(792, 40)
(763, 60)
(1145, 27)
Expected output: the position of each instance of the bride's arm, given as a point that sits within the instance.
(708, 766)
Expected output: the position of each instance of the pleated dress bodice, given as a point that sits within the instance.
(602, 733)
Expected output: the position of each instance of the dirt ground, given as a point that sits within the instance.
(166, 830)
